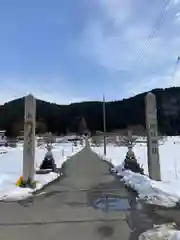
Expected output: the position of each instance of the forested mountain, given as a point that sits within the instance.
(120, 114)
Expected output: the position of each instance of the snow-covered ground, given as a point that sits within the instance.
(4, 150)
(165, 192)
(161, 232)
(11, 165)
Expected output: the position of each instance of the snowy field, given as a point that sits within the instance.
(165, 192)
(11, 165)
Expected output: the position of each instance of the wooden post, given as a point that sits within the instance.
(152, 137)
(87, 142)
(104, 125)
(29, 140)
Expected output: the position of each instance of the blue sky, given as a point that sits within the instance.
(76, 50)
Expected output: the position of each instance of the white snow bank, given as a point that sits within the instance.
(11, 192)
(4, 150)
(153, 192)
(161, 232)
(11, 168)
(165, 192)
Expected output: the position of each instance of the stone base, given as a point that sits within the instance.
(43, 171)
(133, 166)
(48, 164)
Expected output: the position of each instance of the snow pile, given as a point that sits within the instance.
(4, 150)
(165, 193)
(161, 232)
(11, 169)
(153, 192)
(10, 192)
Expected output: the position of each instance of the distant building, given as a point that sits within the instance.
(3, 138)
(71, 137)
(2, 132)
(21, 136)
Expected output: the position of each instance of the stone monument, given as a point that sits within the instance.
(129, 141)
(48, 138)
(152, 136)
(49, 161)
(29, 140)
(130, 162)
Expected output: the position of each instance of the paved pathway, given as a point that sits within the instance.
(67, 210)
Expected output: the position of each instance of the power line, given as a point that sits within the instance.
(156, 26)
(175, 69)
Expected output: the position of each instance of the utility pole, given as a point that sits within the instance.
(104, 123)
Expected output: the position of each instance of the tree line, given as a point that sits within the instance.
(60, 119)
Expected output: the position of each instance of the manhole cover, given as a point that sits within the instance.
(112, 203)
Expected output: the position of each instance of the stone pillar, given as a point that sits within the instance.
(152, 136)
(29, 140)
(104, 125)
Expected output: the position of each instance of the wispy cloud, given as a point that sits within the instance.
(176, 2)
(40, 86)
(79, 50)
(119, 41)
(121, 46)
(167, 79)
(116, 11)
